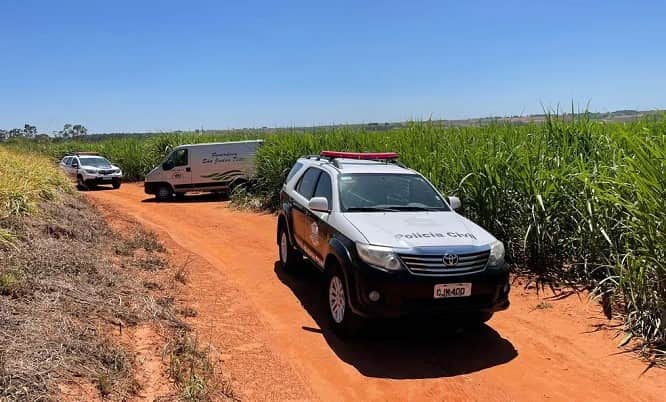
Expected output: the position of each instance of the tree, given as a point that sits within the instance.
(72, 131)
(29, 131)
(79, 130)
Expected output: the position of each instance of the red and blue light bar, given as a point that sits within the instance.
(360, 155)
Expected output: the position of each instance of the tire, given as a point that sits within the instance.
(116, 184)
(163, 192)
(344, 321)
(483, 317)
(180, 196)
(476, 320)
(80, 184)
(290, 258)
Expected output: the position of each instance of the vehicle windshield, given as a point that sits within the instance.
(374, 192)
(96, 161)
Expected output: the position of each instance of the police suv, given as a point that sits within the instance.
(389, 243)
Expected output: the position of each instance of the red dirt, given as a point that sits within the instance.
(268, 330)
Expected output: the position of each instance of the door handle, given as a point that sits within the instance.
(187, 169)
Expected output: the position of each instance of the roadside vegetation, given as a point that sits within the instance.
(575, 200)
(70, 287)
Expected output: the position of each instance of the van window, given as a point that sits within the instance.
(308, 182)
(324, 188)
(179, 157)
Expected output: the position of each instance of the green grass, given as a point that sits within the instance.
(576, 200)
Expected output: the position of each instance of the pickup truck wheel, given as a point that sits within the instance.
(80, 184)
(344, 321)
(163, 193)
(116, 184)
(289, 256)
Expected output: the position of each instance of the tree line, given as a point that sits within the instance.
(30, 131)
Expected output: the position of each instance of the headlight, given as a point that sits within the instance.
(496, 258)
(117, 171)
(378, 256)
(92, 171)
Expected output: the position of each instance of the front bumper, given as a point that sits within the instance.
(403, 293)
(93, 179)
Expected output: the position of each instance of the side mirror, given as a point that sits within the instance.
(167, 166)
(75, 164)
(454, 202)
(319, 204)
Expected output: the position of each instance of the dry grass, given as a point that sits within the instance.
(59, 292)
(67, 281)
(191, 369)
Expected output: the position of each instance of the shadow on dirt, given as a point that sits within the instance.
(191, 198)
(402, 348)
(101, 187)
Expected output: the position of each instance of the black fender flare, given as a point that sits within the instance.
(285, 214)
(340, 252)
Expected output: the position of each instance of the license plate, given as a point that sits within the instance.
(107, 178)
(453, 290)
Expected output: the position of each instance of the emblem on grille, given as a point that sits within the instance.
(450, 259)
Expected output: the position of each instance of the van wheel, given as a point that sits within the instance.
(289, 256)
(343, 320)
(163, 193)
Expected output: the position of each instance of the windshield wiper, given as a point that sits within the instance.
(371, 209)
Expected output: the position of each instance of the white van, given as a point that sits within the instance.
(203, 167)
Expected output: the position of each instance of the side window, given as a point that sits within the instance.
(308, 182)
(179, 157)
(66, 159)
(294, 170)
(71, 161)
(324, 188)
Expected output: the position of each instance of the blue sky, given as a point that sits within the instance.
(159, 65)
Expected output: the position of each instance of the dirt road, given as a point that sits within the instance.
(271, 334)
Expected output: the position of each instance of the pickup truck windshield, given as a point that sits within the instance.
(376, 192)
(94, 161)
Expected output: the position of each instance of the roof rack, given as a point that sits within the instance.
(332, 156)
(373, 156)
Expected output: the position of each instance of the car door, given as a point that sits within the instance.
(320, 230)
(73, 167)
(63, 163)
(301, 215)
(180, 172)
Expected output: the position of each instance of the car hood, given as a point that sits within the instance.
(99, 168)
(418, 229)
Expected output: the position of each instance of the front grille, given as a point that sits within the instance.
(434, 264)
(106, 171)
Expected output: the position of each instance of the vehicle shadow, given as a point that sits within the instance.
(101, 187)
(406, 348)
(191, 198)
